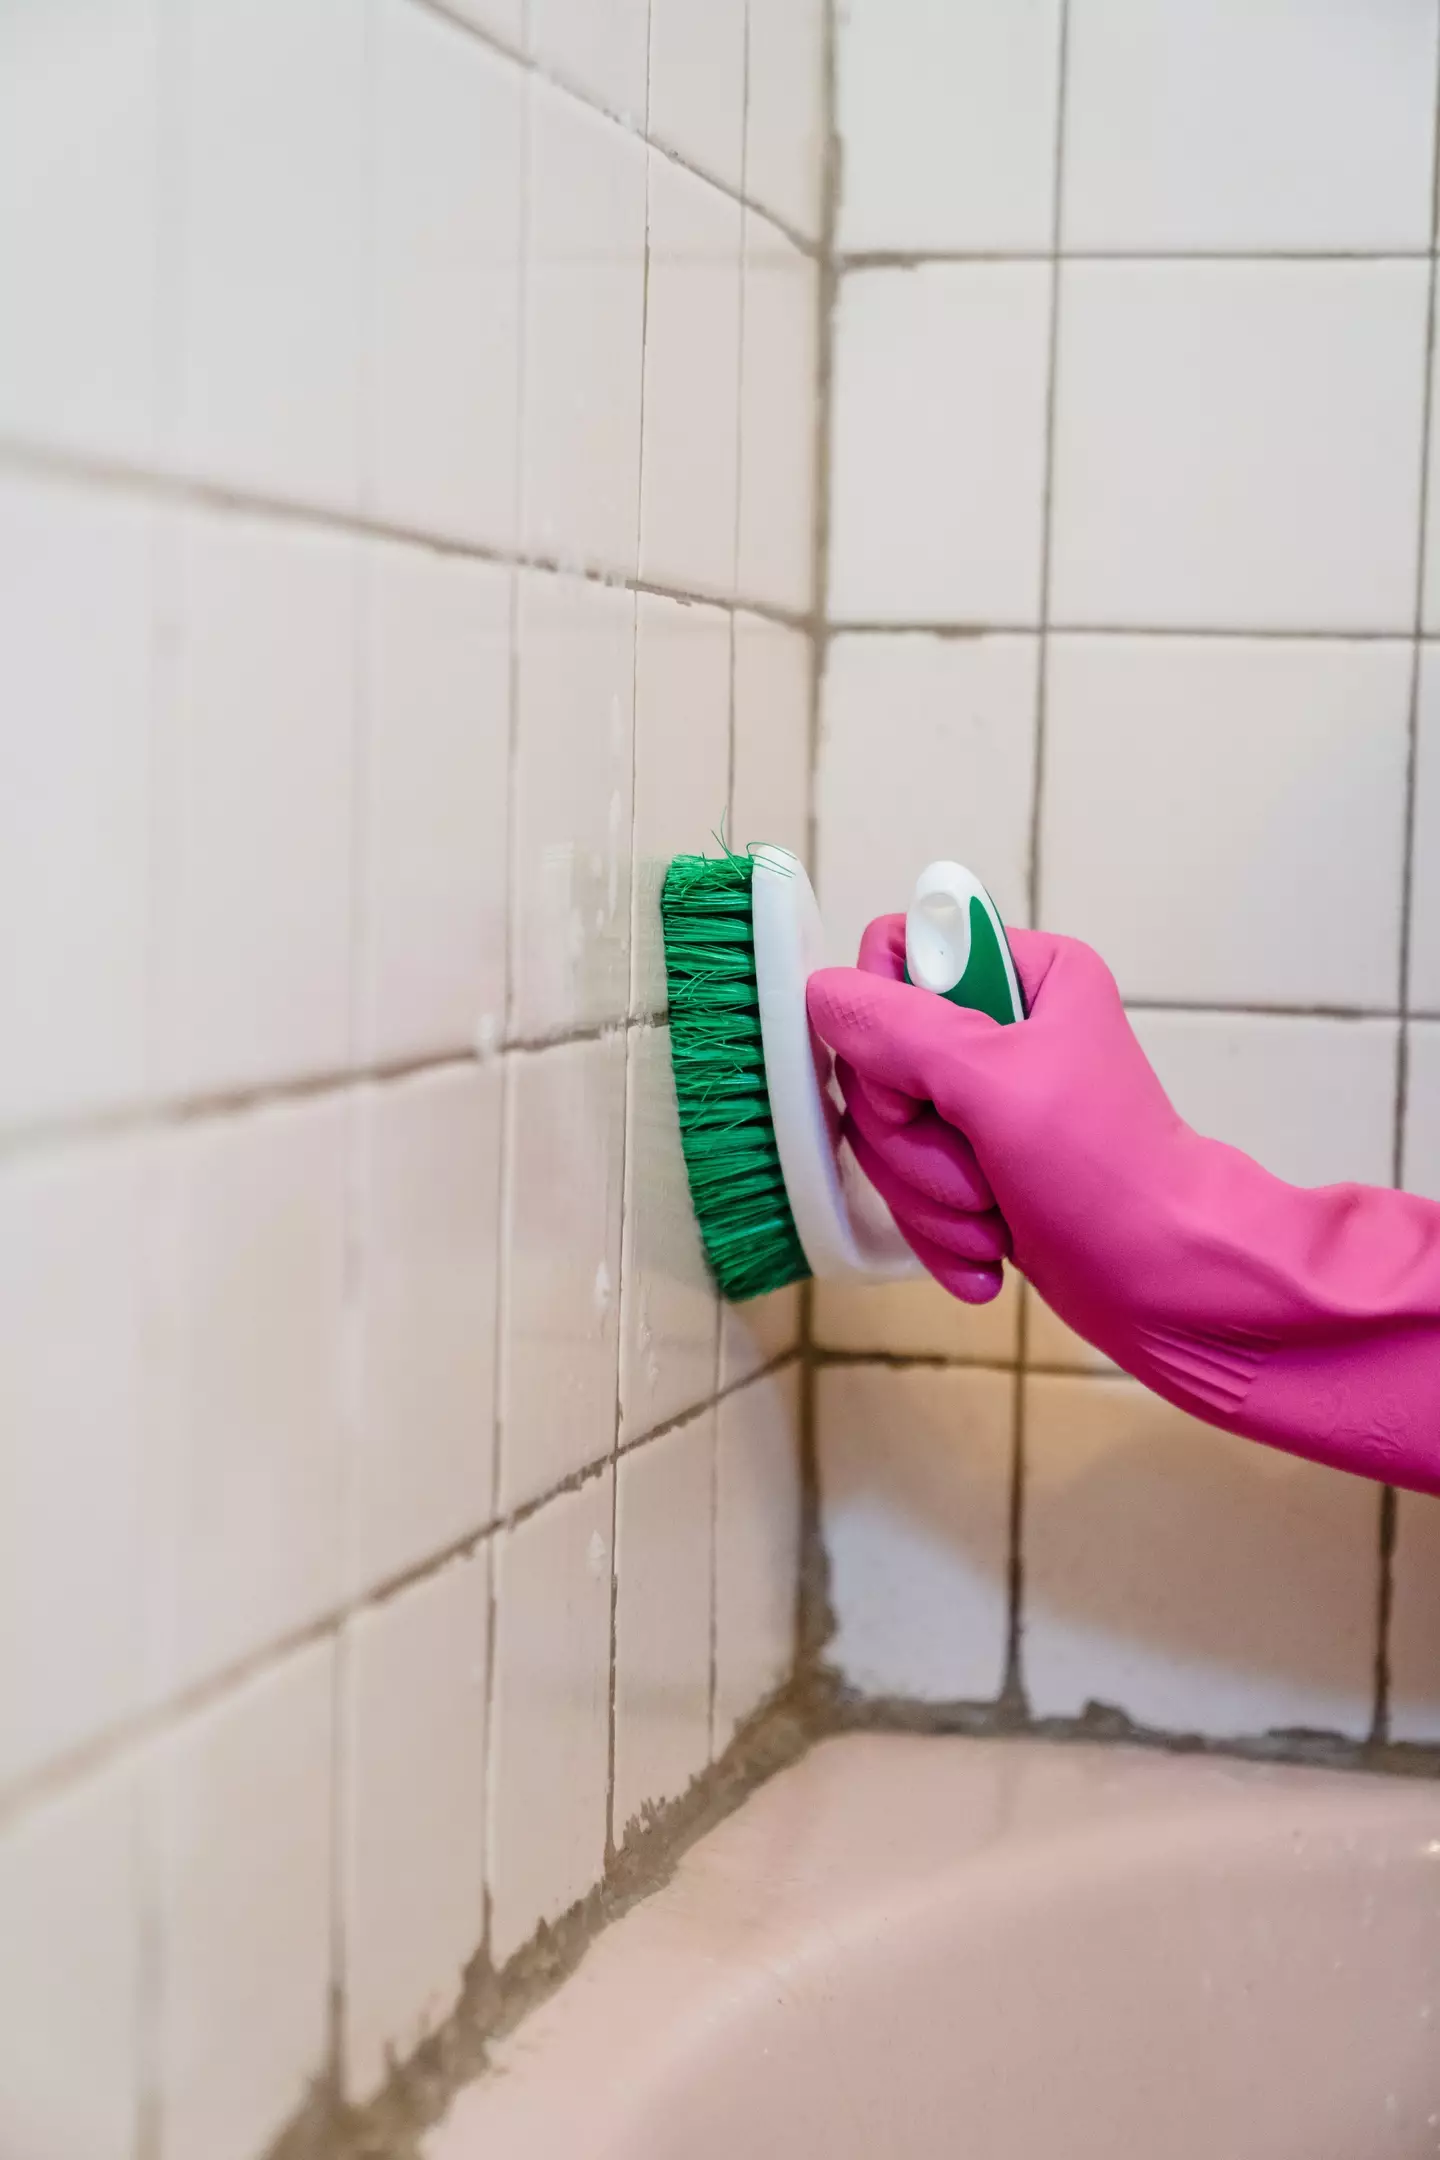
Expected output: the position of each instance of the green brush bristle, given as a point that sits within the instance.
(725, 1125)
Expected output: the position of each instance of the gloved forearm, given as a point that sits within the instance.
(1309, 1319)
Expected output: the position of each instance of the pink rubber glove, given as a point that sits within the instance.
(1308, 1319)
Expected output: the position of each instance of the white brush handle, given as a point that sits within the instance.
(955, 946)
(844, 1226)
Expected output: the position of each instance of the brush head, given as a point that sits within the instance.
(726, 1127)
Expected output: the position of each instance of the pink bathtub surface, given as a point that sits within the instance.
(915, 1948)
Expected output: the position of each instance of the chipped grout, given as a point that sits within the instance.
(814, 1708)
(33, 1788)
(836, 1707)
(492, 2003)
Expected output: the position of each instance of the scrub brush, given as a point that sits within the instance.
(776, 1195)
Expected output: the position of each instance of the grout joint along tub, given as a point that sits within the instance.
(907, 1948)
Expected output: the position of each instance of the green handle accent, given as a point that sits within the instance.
(985, 985)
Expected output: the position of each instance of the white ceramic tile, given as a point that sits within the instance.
(585, 304)
(70, 1976)
(550, 1732)
(1425, 872)
(271, 101)
(427, 1248)
(668, 1304)
(1415, 1622)
(79, 223)
(778, 392)
(598, 47)
(570, 880)
(253, 842)
(771, 793)
(959, 741)
(1261, 766)
(446, 282)
(690, 456)
(414, 1810)
(785, 144)
(246, 1448)
(1196, 1582)
(74, 798)
(771, 735)
(682, 763)
(758, 1332)
(240, 1801)
(1313, 1100)
(918, 1319)
(565, 1142)
(1421, 1163)
(757, 1546)
(697, 83)
(915, 1476)
(947, 120)
(664, 1504)
(72, 1409)
(1430, 596)
(1248, 126)
(1238, 445)
(437, 732)
(938, 444)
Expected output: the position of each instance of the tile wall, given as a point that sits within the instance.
(407, 422)
(1131, 399)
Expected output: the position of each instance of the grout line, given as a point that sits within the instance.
(1239, 634)
(1047, 530)
(1014, 1685)
(150, 1977)
(943, 1361)
(356, 1203)
(1255, 1009)
(623, 1287)
(272, 1094)
(150, 1118)
(712, 1669)
(51, 462)
(540, 72)
(509, 1078)
(173, 27)
(813, 1616)
(1384, 1612)
(921, 258)
(1389, 1504)
(695, 1410)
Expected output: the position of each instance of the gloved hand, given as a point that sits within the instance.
(1309, 1319)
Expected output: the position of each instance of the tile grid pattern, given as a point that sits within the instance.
(353, 1668)
(933, 658)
